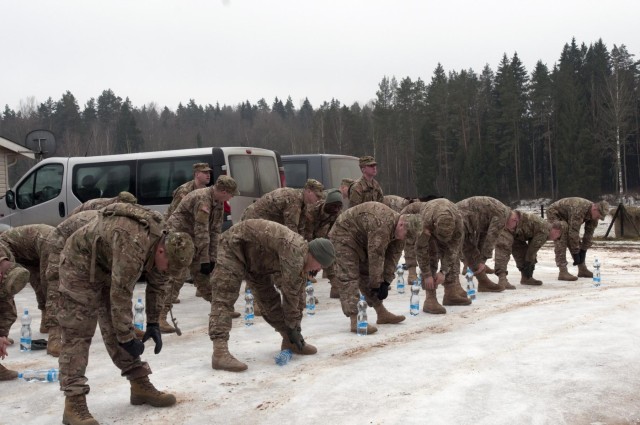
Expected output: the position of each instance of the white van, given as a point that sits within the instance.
(52, 188)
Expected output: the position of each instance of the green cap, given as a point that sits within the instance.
(333, 196)
(322, 250)
(227, 184)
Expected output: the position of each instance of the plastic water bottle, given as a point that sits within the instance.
(596, 272)
(283, 357)
(471, 288)
(311, 299)
(400, 281)
(42, 375)
(362, 324)
(248, 308)
(414, 303)
(138, 317)
(25, 332)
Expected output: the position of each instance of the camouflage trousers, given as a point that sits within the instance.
(228, 276)
(81, 307)
(474, 250)
(353, 277)
(53, 293)
(200, 281)
(506, 246)
(39, 287)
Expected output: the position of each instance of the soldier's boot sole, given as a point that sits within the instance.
(371, 329)
(431, 304)
(143, 392)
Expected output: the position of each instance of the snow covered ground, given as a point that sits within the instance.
(561, 353)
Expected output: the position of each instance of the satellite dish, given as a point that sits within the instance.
(42, 142)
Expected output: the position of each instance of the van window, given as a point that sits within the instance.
(44, 184)
(343, 168)
(243, 171)
(157, 179)
(268, 174)
(104, 180)
(296, 173)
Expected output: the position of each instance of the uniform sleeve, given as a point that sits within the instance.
(423, 254)
(292, 283)
(392, 256)
(214, 234)
(573, 237)
(202, 241)
(450, 252)
(496, 225)
(540, 235)
(377, 246)
(587, 237)
(8, 314)
(378, 194)
(126, 267)
(355, 195)
(291, 215)
(156, 291)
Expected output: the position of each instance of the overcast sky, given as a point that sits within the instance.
(234, 50)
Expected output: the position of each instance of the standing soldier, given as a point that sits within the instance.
(367, 187)
(345, 184)
(29, 247)
(523, 242)
(12, 279)
(287, 206)
(395, 202)
(55, 242)
(484, 218)
(200, 215)
(201, 179)
(323, 215)
(262, 252)
(369, 239)
(440, 239)
(98, 203)
(574, 212)
(99, 267)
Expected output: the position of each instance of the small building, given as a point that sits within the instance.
(9, 152)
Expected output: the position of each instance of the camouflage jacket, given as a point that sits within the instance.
(8, 313)
(365, 191)
(200, 215)
(483, 217)
(94, 204)
(285, 206)
(534, 230)
(369, 228)
(574, 212)
(443, 214)
(319, 222)
(29, 245)
(269, 248)
(115, 250)
(396, 203)
(180, 192)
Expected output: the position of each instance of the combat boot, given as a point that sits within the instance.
(565, 275)
(486, 285)
(583, 271)
(6, 374)
(504, 282)
(431, 304)
(143, 392)
(54, 342)
(371, 329)
(488, 270)
(529, 280)
(413, 275)
(385, 317)
(76, 411)
(165, 327)
(306, 350)
(223, 360)
(235, 314)
(454, 295)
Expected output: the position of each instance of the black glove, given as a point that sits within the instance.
(153, 332)
(528, 269)
(207, 268)
(583, 255)
(295, 337)
(381, 292)
(313, 273)
(135, 347)
(576, 258)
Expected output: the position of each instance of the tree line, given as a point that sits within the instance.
(569, 130)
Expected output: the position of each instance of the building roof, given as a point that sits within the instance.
(17, 148)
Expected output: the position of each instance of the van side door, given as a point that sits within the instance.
(39, 196)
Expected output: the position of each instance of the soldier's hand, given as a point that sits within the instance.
(206, 268)
(135, 347)
(576, 258)
(295, 337)
(583, 256)
(383, 290)
(153, 332)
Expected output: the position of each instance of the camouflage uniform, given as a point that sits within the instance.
(29, 247)
(365, 191)
(261, 252)
(178, 195)
(410, 258)
(396, 203)
(574, 212)
(320, 223)
(285, 206)
(99, 203)
(200, 215)
(529, 236)
(99, 267)
(366, 252)
(55, 242)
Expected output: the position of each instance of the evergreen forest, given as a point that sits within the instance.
(568, 130)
